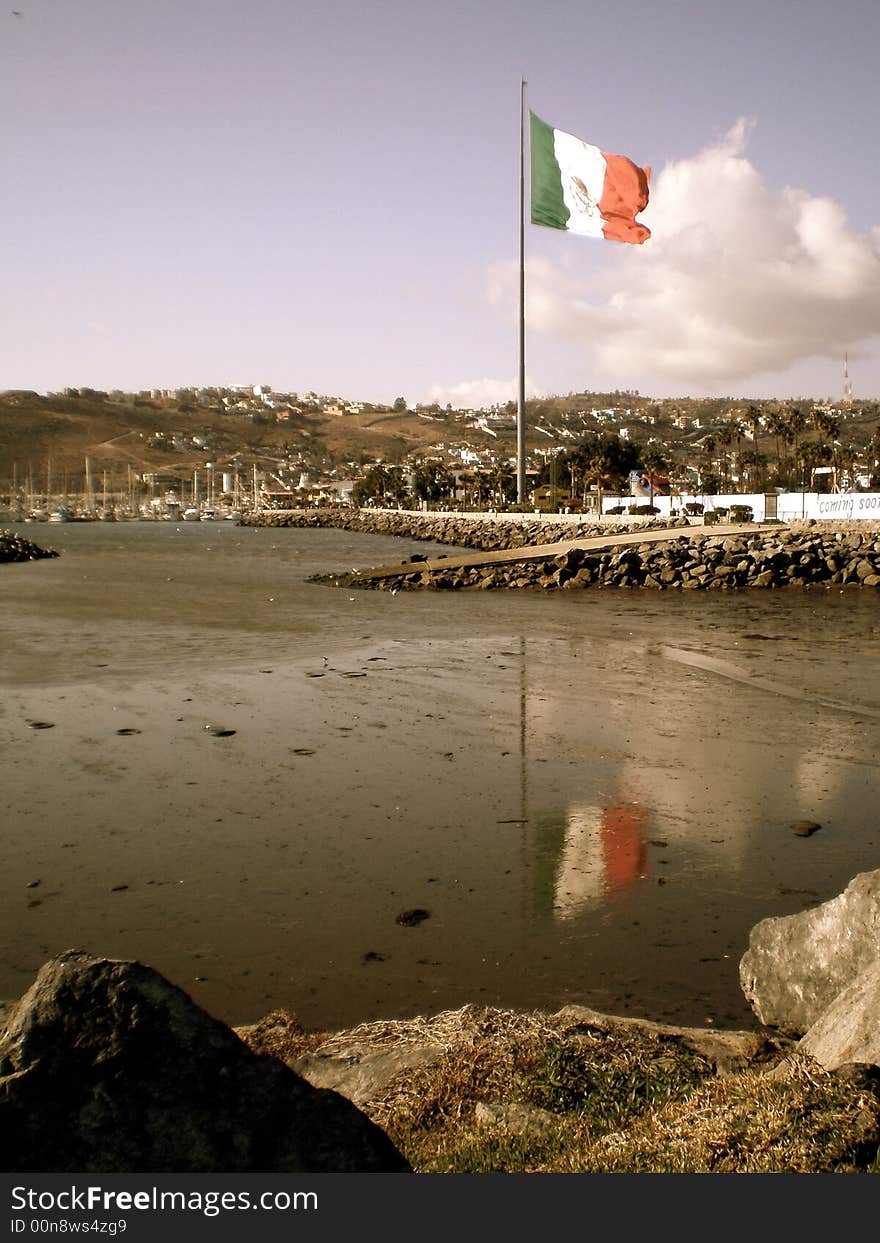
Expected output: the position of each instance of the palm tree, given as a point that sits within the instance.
(431, 481)
(776, 425)
(706, 465)
(826, 424)
(796, 423)
(655, 462)
(724, 437)
(753, 419)
(737, 431)
(605, 461)
(468, 482)
(571, 462)
(373, 485)
(503, 482)
(843, 458)
(809, 456)
(397, 489)
(754, 467)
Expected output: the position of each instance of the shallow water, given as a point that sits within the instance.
(591, 793)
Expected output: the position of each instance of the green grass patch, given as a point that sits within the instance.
(609, 1081)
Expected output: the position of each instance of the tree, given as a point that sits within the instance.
(826, 424)
(604, 461)
(381, 483)
(737, 431)
(724, 436)
(796, 423)
(503, 480)
(872, 452)
(809, 456)
(753, 420)
(707, 465)
(399, 404)
(474, 485)
(655, 462)
(432, 482)
(775, 420)
(786, 424)
(373, 485)
(753, 464)
(843, 459)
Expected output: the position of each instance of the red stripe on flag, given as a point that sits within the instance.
(625, 194)
(623, 847)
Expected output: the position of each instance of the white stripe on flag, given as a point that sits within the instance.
(582, 170)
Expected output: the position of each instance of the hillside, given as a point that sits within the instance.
(45, 441)
(55, 435)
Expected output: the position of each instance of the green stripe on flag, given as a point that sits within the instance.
(548, 205)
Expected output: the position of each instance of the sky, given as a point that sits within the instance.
(325, 196)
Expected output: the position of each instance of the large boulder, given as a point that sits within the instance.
(796, 965)
(106, 1067)
(849, 1030)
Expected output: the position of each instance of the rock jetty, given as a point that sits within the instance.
(695, 562)
(801, 554)
(16, 548)
(489, 533)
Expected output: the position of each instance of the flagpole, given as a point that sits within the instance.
(521, 391)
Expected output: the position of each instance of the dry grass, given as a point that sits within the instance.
(280, 1035)
(566, 1097)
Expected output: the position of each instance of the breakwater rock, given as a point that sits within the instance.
(491, 533)
(698, 561)
(16, 548)
(817, 974)
(107, 1067)
(796, 965)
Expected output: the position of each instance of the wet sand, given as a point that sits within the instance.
(591, 797)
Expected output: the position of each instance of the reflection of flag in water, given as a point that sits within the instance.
(601, 854)
(623, 846)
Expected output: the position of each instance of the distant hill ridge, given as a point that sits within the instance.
(49, 436)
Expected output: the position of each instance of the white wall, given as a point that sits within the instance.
(790, 506)
(839, 506)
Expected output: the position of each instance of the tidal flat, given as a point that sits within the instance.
(245, 779)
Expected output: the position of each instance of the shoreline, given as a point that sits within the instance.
(803, 554)
(490, 1090)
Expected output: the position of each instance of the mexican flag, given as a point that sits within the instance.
(578, 187)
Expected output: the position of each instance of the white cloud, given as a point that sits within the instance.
(736, 279)
(477, 394)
